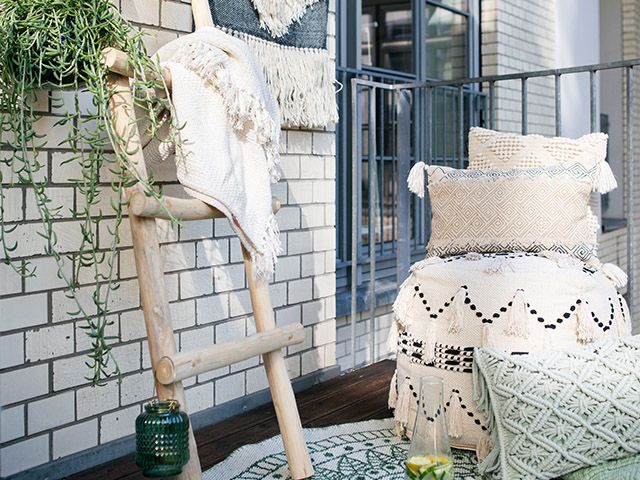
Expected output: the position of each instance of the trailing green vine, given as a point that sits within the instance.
(56, 45)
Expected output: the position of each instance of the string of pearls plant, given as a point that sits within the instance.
(54, 48)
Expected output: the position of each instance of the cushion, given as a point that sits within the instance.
(553, 412)
(518, 301)
(489, 149)
(622, 469)
(511, 210)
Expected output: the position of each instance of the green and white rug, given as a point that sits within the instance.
(353, 451)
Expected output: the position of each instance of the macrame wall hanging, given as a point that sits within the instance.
(289, 38)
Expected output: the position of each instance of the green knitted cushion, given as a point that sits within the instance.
(623, 469)
(552, 413)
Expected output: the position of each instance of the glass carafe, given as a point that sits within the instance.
(429, 456)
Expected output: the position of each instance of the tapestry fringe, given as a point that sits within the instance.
(278, 16)
(455, 313)
(615, 274)
(266, 256)
(402, 408)
(393, 391)
(301, 80)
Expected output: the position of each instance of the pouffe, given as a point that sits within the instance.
(516, 301)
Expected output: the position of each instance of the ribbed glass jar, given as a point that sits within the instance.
(162, 439)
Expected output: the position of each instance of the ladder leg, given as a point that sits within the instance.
(146, 249)
(281, 391)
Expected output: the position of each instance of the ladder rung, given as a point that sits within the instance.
(180, 208)
(188, 364)
(118, 62)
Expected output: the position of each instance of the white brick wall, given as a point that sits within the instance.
(48, 409)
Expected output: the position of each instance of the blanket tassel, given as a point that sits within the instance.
(518, 319)
(586, 326)
(403, 404)
(487, 338)
(615, 274)
(392, 339)
(604, 180)
(393, 391)
(415, 180)
(483, 447)
(454, 416)
(455, 313)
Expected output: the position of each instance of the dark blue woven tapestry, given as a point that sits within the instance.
(289, 38)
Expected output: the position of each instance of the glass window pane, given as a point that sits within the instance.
(387, 35)
(459, 4)
(446, 44)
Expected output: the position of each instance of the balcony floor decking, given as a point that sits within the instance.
(355, 396)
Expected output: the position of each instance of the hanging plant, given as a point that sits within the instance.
(53, 45)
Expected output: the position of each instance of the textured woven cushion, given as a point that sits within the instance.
(551, 413)
(622, 469)
(516, 301)
(489, 149)
(511, 210)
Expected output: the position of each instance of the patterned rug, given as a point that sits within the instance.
(352, 451)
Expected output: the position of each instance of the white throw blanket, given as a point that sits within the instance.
(230, 139)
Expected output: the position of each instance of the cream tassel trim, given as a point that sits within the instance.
(403, 403)
(615, 274)
(604, 180)
(454, 416)
(586, 331)
(519, 319)
(487, 338)
(426, 262)
(483, 448)
(393, 391)
(277, 16)
(415, 180)
(455, 312)
(498, 266)
(301, 80)
(429, 343)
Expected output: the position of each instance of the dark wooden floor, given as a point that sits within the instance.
(356, 396)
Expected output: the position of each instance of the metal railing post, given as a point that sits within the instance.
(403, 145)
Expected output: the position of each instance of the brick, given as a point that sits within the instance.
(48, 342)
(51, 412)
(128, 357)
(293, 366)
(183, 314)
(75, 438)
(70, 372)
(118, 424)
(11, 350)
(12, 205)
(24, 455)
(193, 339)
(196, 230)
(212, 308)
(94, 400)
(178, 256)
(229, 277)
(176, 16)
(313, 215)
(299, 142)
(324, 285)
(23, 312)
(240, 303)
(232, 330)
(300, 191)
(324, 239)
(324, 333)
(11, 423)
(313, 312)
(311, 166)
(23, 384)
(312, 360)
(324, 191)
(10, 281)
(299, 242)
(46, 274)
(306, 344)
(289, 218)
(137, 388)
(55, 134)
(229, 388)
(61, 197)
(324, 143)
(288, 315)
(300, 290)
(199, 397)
(213, 252)
(287, 268)
(142, 11)
(256, 380)
(132, 326)
(196, 283)
(290, 165)
(313, 264)
(84, 341)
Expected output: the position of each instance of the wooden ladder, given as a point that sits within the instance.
(170, 366)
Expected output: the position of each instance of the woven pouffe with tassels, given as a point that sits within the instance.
(519, 302)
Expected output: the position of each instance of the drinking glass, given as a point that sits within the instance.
(429, 456)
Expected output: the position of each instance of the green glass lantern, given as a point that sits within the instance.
(162, 439)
